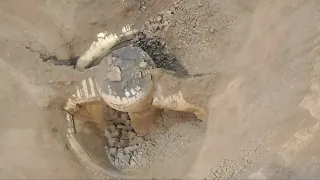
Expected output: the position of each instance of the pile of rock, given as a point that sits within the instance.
(124, 145)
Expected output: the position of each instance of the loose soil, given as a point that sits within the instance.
(172, 145)
(263, 109)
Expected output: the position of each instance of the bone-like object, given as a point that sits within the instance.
(104, 46)
(86, 92)
(170, 95)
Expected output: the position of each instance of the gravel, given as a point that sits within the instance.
(124, 145)
(131, 152)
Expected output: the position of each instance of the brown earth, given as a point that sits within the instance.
(263, 110)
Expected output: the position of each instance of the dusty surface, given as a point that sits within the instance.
(32, 133)
(30, 146)
(173, 144)
(264, 117)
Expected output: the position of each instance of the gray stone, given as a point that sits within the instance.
(115, 133)
(113, 151)
(124, 134)
(136, 140)
(114, 74)
(113, 142)
(111, 158)
(126, 159)
(131, 135)
(123, 158)
(132, 162)
(124, 143)
(120, 150)
(130, 148)
(116, 162)
(212, 30)
(122, 127)
(111, 127)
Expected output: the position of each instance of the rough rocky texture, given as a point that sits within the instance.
(131, 152)
(123, 143)
(157, 50)
(191, 30)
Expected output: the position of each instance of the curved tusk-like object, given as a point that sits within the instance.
(104, 46)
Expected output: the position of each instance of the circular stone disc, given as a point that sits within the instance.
(124, 84)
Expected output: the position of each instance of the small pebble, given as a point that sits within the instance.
(159, 18)
(136, 140)
(124, 116)
(111, 127)
(120, 150)
(123, 143)
(212, 30)
(124, 134)
(123, 158)
(111, 158)
(113, 151)
(131, 135)
(143, 65)
(122, 127)
(113, 142)
(132, 162)
(116, 162)
(115, 133)
(128, 124)
(126, 159)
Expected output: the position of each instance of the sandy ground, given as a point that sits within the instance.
(264, 117)
(30, 148)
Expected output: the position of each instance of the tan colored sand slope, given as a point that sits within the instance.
(264, 121)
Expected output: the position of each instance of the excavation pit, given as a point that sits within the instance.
(116, 150)
(149, 137)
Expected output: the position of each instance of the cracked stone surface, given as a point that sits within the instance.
(126, 83)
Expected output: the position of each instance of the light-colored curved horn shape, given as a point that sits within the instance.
(103, 46)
